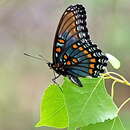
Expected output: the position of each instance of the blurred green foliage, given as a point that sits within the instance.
(29, 26)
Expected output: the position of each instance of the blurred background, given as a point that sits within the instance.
(29, 26)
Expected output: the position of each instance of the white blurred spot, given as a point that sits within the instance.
(113, 61)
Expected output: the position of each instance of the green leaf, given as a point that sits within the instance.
(114, 124)
(88, 105)
(75, 107)
(53, 110)
(71, 128)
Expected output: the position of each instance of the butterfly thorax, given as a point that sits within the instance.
(58, 68)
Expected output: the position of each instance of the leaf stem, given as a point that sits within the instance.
(109, 76)
(126, 101)
(112, 88)
(117, 75)
(121, 80)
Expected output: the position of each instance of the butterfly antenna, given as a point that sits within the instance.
(43, 58)
(39, 58)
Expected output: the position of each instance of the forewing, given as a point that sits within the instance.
(71, 28)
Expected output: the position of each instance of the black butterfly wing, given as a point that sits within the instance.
(86, 61)
(74, 49)
(68, 30)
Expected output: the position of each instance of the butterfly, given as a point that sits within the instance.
(74, 54)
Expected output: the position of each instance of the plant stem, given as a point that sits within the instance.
(112, 88)
(126, 101)
(122, 80)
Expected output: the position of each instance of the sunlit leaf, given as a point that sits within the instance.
(114, 124)
(76, 107)
(89, 104)
(53, 110)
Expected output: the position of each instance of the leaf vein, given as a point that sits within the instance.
(86, 103)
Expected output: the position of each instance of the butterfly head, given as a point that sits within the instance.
(50, 65)
(53, 66)
(58, 68)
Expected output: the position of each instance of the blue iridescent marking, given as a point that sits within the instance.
(59, 44)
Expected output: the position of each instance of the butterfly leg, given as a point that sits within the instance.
(54, 80)
(56, 77)
(75, 80)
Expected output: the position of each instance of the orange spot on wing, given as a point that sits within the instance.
(68, 63)
(75, 60)
(73, 24)
(89, 56)
(75, 46)
(91, 65)
(65, 56)
(61, 41)
(85, 52)
(81, 48)
(93, 60)
(58, 49)
(90, 71)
